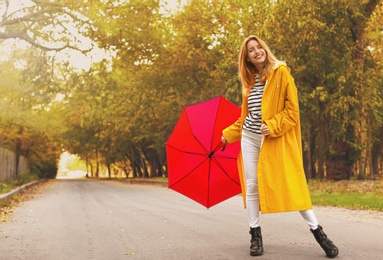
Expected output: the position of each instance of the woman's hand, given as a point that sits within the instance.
(265, 130)
(224, 142)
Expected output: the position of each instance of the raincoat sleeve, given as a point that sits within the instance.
(288, 117)
(233, 132)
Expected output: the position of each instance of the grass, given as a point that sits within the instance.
(350, 194)
(7, 205)
(24, 178)
(365, 195)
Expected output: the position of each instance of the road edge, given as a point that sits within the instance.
(9, 195)
(144, 181)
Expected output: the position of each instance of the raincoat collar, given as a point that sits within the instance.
(276, 66)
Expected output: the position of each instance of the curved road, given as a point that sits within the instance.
(88, 219)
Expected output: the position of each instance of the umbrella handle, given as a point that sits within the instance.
(223, 146)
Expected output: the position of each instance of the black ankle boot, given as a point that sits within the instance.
(327, 245)
(256, 245)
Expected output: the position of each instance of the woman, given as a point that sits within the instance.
(270, 163)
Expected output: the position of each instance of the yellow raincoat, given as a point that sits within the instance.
(282, 184)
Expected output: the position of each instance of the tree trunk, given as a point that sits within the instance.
(307, 163)
(321, 152)
(97, 165)
(359, 60)
(87, 166)
(377, 153)
(91, 168)
(18, 150)
(17, 156)
(313, 156)
(132, 160)
(359, 33)
(337, 166)
(109, 170)
(144, 167)
(369, 149)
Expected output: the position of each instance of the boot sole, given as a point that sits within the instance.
(333, 256)
(256, 254)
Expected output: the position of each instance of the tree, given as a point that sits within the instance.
(319, 44)
(24, 119)
(359, 17)
(44, 24)
(373, 96)
(120, 111)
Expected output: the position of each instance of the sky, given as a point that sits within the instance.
(77, 59)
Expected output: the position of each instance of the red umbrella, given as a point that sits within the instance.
(198, 167)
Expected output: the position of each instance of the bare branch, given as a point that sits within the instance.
(41, 15)
(26, 18)
(31, 41)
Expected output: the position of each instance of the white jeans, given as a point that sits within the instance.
(250, 146)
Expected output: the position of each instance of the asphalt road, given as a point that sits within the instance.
(88, 219)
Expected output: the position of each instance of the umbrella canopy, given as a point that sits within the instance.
(198, 167)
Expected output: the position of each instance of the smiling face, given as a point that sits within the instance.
(256, 54)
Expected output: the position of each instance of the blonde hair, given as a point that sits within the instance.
(247, 70)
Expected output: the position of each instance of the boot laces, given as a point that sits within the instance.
(256, 242)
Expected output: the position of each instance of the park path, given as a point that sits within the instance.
(111, 220)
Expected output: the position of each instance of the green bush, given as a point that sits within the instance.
(24, 178)
(4, 188)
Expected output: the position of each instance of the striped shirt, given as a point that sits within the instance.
(253, 120)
